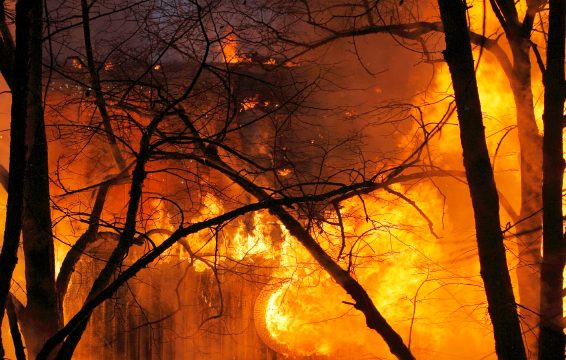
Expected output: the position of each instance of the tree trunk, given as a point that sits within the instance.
(551, 341)
(14, 208)
(530, 220)
(494, 271)
(42, 317)
(529, 238)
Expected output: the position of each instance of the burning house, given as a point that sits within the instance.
(184, 307)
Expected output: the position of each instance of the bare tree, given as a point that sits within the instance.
(8, 257)
(495, 274)
(35, 222)
(551, 342)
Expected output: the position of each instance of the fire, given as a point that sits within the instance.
(423, 283)
(284, 171)
(257, 242)
(415, 278)
(76, 63)
(306, 314)
(250, 103)
(239, 242)
(301, 309)
(270, 61)
(420, 270)
(276, 321)
(230, 51)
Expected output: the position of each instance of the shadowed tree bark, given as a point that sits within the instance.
(17, 340)
(551, 341)
(41, 317)
(494, 271)
(19, 115)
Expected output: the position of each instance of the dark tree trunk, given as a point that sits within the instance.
(14, 208)
(42, 317)
(494, 271)
(551, 341)
(15, 329)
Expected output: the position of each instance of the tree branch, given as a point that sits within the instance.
(14, 328)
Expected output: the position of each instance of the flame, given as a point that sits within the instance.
(424, 285)
(239, 243)
(304, 315)
(284, 171)
(270, 61)
(76, 63)
(250, 103)
(231, 52)
(276, 320)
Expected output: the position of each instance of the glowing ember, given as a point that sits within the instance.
(284, 172)
(250, 103)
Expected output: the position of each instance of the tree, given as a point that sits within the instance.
(8, 256)
(33, 219)
(495, 274)
(551, 342)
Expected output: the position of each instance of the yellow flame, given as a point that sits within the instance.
(231, 52)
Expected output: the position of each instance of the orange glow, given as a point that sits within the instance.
(284, 172)
(250, 103)
(270, 61)
(77, 64)
(305, 315)
(230, 51)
